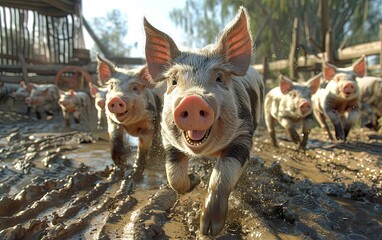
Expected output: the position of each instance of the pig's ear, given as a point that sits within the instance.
(160, 50)
(235, 44)
(359, 67)
(105, 68)
(314, 83)
(285, 84)
(93, 90)
(145, 76)
(328, 71)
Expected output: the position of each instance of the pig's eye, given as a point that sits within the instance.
(174, 82)
(219, 78)
(136, 89)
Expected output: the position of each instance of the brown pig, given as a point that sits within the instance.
(211, 108)
(288, 104)
(75, 103)
(43, 96)
(339, 99)
(99, 95)
(133, 106)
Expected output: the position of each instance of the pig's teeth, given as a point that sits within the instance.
(122, 114)
(197, 142)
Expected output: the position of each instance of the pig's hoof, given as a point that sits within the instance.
(213, 214)
(194, 181)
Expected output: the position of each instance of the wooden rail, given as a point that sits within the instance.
(311, 62)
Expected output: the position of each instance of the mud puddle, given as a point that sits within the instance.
(59, 183)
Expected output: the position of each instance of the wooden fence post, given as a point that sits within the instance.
(380, 54)
(293, 61)
(265, 69)
(329, 48)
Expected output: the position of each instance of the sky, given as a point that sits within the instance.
(156, 12)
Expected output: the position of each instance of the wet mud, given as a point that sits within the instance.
(60, 183)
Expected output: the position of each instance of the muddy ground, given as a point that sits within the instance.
(60, 183)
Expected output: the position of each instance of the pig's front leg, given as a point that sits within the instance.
(288, 125)
(336, 121)
(321, 120)
(177, 169)
(351, 117)
(145, 140)
(224, 177)
(307, 125)
(270, 123)
(37, 112)
(76, 116)
(66, 117)
(48, 111)
(118, 149)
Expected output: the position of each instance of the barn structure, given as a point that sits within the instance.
(42, 41)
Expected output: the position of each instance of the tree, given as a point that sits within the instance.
(272, 23)
(111, 30)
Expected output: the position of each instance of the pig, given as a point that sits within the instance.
(6, 93)
(288, 104)
(75, 103)
(339, 99)
(43, 96)
(23, 91)
(212, 107)
(370, 89)
(133, 106)
(99, 95)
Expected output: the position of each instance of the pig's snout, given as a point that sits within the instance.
(305, 107)
(348, 88)
(193, 113)
(116, 105)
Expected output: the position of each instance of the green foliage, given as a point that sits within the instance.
(350, 21)
(111, 30)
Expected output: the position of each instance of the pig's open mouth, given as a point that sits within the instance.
(121, 115)
(196, 137)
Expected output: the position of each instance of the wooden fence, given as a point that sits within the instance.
(313, 63)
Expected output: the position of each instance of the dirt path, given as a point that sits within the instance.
(58, 183)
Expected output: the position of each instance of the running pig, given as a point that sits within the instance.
(99, 95)
(289, 104)
(43, 96)
(212, 107)
(133, 106)
(370, 89)
(72, 102)
(339, 99)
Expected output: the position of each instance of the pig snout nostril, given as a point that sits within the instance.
(193, 113)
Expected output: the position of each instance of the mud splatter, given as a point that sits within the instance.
(59, 183)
